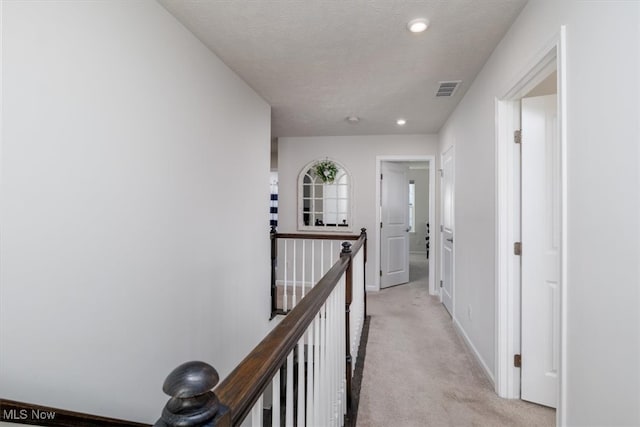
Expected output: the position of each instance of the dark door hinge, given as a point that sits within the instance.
(380, 273)
(380, 224)
(517, 248)
(517, 137)
(440, 283)
(517, 360)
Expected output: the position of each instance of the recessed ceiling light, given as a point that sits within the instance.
(353, 119)
(418, 25)
(401, 122)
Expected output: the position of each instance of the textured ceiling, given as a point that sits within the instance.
(318, 61)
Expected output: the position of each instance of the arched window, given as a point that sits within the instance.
(324, 204)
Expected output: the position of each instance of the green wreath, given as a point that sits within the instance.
(326, 170)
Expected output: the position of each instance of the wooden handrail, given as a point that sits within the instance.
(249, 379)
(232, 400)
(310, 236)
(12, 411)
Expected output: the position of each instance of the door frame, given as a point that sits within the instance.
(431, 160)
(445, 150)
(507, 269)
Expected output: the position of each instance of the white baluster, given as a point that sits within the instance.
(323, 366)
(331, 246)
(301, 381)
(304, 263)
(331, 355)
(284, 292)
(322, 270)
(310, 372)
(313, 263)
(295, 259)
(256, 413)
(329, 363)
(316, 372)
(288, 422)
(275, 405)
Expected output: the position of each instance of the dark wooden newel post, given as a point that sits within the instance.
(192, 402)
(348, 297)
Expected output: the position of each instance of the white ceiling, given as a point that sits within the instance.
(318, 61)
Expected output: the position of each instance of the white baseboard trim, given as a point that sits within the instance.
(418, 252)
(474, 351)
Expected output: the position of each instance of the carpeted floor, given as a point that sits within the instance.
(418, 372)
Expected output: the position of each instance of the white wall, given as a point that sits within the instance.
(126, 221)
(358, 155)
(603, 325)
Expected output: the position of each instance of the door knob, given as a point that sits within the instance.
(408, 229)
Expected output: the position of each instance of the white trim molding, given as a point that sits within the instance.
(562, 123)
(474, 350)
(431, 159)
(507, 269)
(507, 381)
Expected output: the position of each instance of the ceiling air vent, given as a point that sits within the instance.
(448, 88)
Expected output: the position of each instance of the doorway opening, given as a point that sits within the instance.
(405, 201)
(531, 232)
(420, 227)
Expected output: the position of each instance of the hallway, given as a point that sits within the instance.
(418, 372)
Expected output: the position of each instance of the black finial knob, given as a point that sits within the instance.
(346, 247)
(190, 379)
(192, 402)
(363, 230)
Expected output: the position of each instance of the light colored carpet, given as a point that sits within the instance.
(418, 372)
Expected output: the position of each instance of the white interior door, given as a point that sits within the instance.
(394, 235)
(447, 194)
(541, 246)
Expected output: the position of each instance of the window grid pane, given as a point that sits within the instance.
(325, 204)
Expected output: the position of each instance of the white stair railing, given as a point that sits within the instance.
(314, 373)
(300, 373)
(298, 262)
(301, 262)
